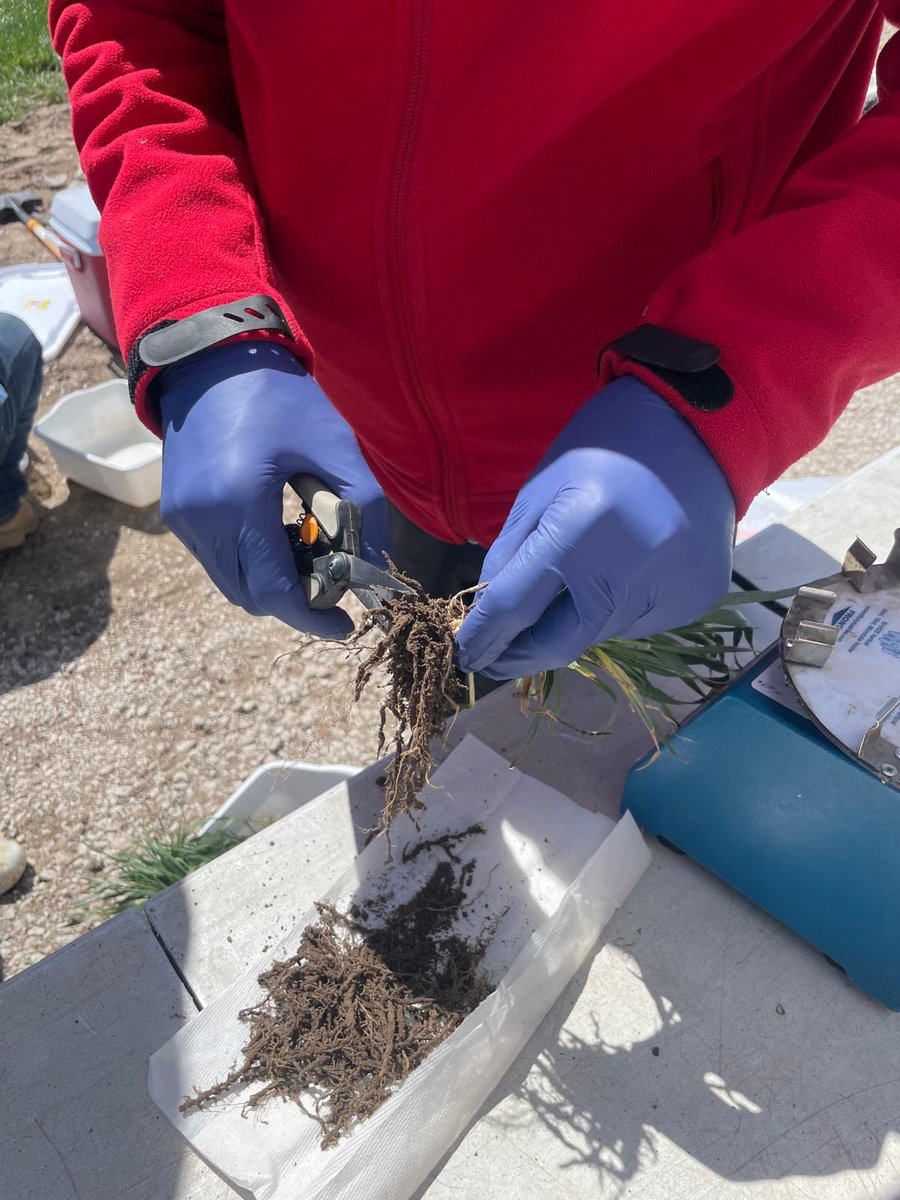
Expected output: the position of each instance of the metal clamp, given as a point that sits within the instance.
(864, 574)
(807, 639)
(878, 751)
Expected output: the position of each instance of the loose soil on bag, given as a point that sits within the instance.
(365, 998)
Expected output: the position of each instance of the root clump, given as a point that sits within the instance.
(365, 998)
(424, 686)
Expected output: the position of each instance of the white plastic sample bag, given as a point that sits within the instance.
(557, 870)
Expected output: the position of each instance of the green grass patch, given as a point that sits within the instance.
(154, 863)
(29, 69)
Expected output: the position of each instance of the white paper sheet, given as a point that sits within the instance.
(559, 871)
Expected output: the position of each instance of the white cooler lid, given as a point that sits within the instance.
(41, 296)
(75, 215)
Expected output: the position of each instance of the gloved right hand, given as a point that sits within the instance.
(238, 421)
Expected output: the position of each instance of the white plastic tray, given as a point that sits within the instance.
(98, 441)
(41, 296)
(274, 790)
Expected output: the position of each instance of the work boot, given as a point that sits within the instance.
(12, 864)
(14, 531)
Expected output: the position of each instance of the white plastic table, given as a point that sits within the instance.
(705, 1051)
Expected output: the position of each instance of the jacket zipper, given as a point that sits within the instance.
(398, 254)
(716, 185)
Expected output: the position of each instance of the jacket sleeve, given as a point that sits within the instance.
(156, 123)
(804, 304)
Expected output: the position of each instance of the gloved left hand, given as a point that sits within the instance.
(624, 530)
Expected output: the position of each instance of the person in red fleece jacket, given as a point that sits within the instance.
(571, 282)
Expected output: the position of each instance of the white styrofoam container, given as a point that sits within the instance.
(98, 441)
(74, 214)
(274, 790)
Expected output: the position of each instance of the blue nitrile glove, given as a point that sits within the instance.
(624, 530)
(238, 421)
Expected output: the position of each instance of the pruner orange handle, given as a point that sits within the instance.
(309, 530)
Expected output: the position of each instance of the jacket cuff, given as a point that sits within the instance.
(734, 433)
(141, 378)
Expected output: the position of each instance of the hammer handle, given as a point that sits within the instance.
(33, 225)
(50, 242)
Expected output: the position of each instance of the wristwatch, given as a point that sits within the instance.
(171, 341)
(689, 366)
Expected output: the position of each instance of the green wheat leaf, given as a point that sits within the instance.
(699, 656)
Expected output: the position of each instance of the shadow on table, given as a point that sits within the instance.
(54, 590)
(611, 1106)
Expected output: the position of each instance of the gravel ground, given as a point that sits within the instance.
(132, 696)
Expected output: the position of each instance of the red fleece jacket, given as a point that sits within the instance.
(459, 204)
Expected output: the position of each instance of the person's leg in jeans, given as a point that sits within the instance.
(20, 388)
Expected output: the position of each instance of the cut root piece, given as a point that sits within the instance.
(424, 687)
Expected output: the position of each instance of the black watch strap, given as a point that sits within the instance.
(689, 366)
(171, 341)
